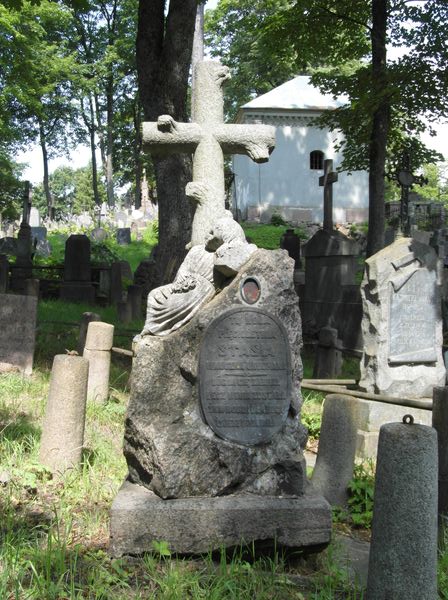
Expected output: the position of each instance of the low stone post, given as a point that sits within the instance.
(337, 447)
(86, 318)
(440, 424)
(403, 552)
(63, 427)
(135, 300)
(99, 342)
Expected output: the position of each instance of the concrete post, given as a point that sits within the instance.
(337, 447)
(86, 318)
(97, 350)
(403, 552)
(440, 424)
(63, 427)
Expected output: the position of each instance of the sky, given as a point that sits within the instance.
(80, 157)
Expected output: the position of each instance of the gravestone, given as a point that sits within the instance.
(4, 274)
(402, 324)
(123, 236)
(331, 295)
(34, 217)
(98, 234)
(202, 479)
(326, 181)
(290, 242)
(77, 285)
(213, 438)
(18, 332)
(39, 233)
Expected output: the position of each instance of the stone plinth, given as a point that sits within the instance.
(18, 331)
(198, 525)
(402, 323)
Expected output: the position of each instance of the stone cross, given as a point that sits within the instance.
(26, 203)
(208, 139)
(328, 178)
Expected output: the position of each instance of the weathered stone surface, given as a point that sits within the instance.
(403, 552)
(229, 258)
(402, 324)
(198, 525)
(337, 446)
(63, 427)
(168, 446)
(208, 138)
(18, 331)
(97, 351)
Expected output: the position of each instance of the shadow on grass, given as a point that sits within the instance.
(15, 427)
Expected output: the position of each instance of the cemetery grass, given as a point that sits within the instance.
(268, 236)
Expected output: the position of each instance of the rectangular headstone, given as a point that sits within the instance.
(402, 322)
(18, 331)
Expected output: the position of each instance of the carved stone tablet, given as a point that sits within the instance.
(413, 319)
(245, 376)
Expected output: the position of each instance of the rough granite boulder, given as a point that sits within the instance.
(169, 448)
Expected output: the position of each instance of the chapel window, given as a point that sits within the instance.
(316, 160)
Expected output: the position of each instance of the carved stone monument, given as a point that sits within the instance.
(402, 323)
(213, 439)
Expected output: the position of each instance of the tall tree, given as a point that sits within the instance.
(389, 98)
(164, 46)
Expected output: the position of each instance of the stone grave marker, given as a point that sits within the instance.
(123, 236)
(402, 323)
(18, 332)
(77, 285)
(4, 274)
(39, 233)
(98, 234)
(213, 438)
(326, 181)
(34, 217)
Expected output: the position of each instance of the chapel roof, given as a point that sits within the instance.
(298, 94)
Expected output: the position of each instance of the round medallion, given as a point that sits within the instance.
(250, 290)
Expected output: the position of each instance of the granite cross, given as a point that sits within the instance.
(328, 178)
(27, 196)
(208, 139)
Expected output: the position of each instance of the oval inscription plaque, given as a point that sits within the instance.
(245, 376)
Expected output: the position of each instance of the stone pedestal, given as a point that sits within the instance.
(197, 525)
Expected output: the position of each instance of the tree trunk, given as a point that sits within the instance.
(110, 142)
(46, 181)
(163, 62)
(138, 154)
(380, 128)
(96, 193)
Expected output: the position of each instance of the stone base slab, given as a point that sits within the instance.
(197, 525)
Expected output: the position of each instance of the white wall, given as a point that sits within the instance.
(287, 180)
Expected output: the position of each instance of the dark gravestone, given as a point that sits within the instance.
(413, 318)
(18, 331)
(124, 236)
(23, 265)
(290, 241)
(245, 376)
(39, 233)
(4, 274)
(77, 285)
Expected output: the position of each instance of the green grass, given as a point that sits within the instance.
(267, 236)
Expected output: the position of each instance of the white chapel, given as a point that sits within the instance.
(289, 183)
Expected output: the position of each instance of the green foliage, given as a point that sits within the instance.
(361, 492)
(277, 220)
(312, 422)
(268, 236)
